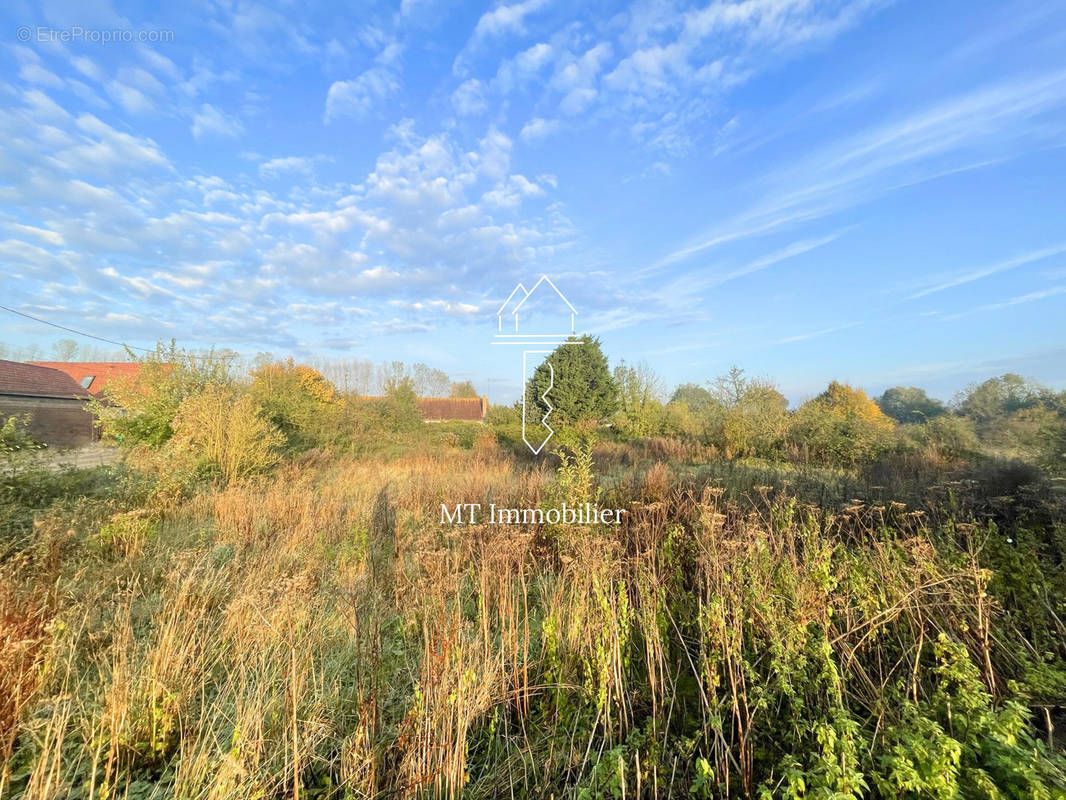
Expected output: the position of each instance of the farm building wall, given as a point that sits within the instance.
(57, 422)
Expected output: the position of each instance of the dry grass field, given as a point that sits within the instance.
(316, 632)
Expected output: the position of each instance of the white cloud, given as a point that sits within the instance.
(106, 151)
(87, 67)
(506, 18)
(577, 100)
(431, 210)
(983, 272)
(533, 58)
(450, 307)
(35, 73)
(140, 79)
(277, 166)
(44, 106)
(209, 121)
(538, 128)
(802, 337)
(512, 193)
(160, 63)
(469, 98)
(677, 54)
(1041, 294)
(996, 122)
(410, 8)
(581, 71)
(42, 234)
(132, 99)
(87, 94)
(357, 97)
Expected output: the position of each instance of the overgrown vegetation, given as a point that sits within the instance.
(843, 601)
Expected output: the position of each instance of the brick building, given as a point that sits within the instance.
(448, 409)
(54, 401)
(440, 409)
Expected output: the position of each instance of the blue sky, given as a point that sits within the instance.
(865, 191)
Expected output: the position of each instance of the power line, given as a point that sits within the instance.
(72, 330)
(92, 335)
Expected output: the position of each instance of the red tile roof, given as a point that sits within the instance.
(439, 409)
(33, 380)
(100, 371)
(442, 408)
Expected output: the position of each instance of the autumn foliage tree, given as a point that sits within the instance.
(841, 426)
(297, 399)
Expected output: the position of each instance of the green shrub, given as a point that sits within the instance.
(140, 410)
(841, 427)
(223, 431)
(299, 401)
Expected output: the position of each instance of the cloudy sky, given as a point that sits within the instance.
(869, 191)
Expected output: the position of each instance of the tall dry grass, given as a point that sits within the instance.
(318, 633)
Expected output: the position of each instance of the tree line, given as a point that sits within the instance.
(747, 417)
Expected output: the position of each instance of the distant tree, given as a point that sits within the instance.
(696, 397)
(748, 416)
(639, 404)
(1033, 434)
(356, 375)
(429, 382)
(841, 426)
(1019, 419)
(390, 373)
(997, 398)
(907, 404)
(729, 389)
(399, 410)
(583, 389)
(463, 389)
(64, 350)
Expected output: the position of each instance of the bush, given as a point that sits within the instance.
(14, 436)
(949, 438)
(841, 427)
(298, 400)
(225, 432)
(399, 412)
(749, 418)
(140, 410)
(505, 422)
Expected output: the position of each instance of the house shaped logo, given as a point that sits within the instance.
(536, 319)
(544, 300)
